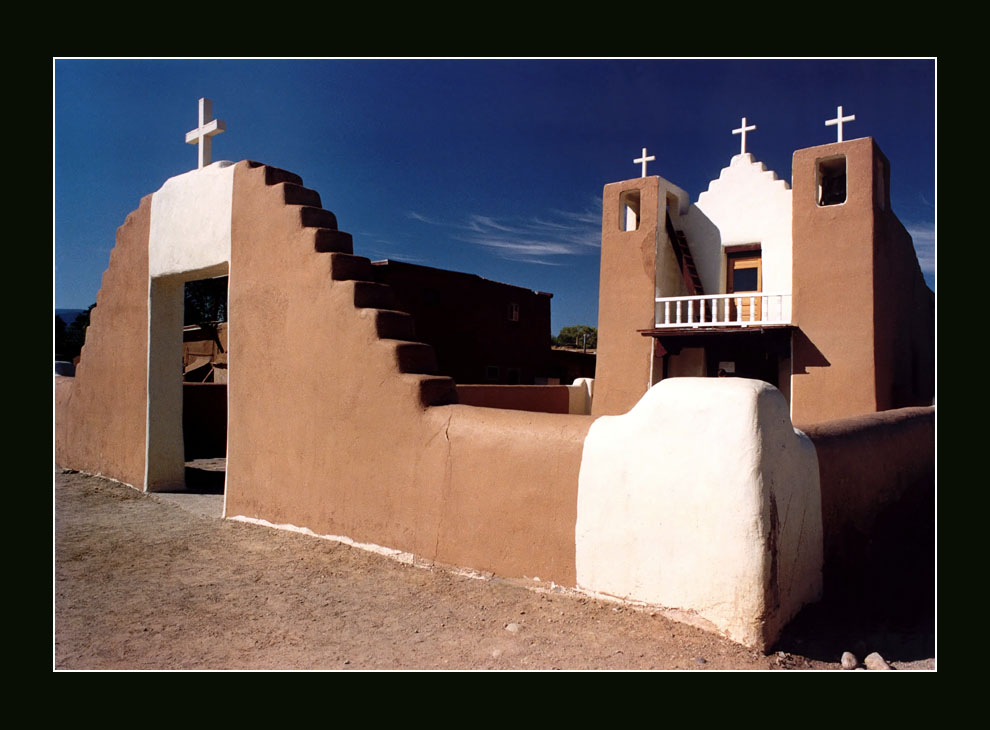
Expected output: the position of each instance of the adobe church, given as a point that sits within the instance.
(694, 494)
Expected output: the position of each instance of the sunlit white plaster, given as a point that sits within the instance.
(190, 221)
(579, 396)
(703, 498)
(399, 555)
(675, 201)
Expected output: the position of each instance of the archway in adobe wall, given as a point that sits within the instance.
(166, 442)
(189, 239)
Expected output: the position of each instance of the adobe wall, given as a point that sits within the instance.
(626, 298)
(627, 290)
(101, 413)
(574, 399)
(509, 490)
(834, 372)
(538, 398)
(878, 501)
(343, 441)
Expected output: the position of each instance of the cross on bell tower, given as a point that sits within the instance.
(837, 122)
(644, 159)
(204, 133)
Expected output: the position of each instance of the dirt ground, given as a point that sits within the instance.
(159, 582)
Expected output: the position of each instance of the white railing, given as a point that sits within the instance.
(723, 310)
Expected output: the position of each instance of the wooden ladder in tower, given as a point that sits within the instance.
(684, 259)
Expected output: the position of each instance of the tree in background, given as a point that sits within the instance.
(206, 301)
(574, 336)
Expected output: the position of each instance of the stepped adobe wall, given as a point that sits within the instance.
(337, 420)
(345, 441)
(101, 413)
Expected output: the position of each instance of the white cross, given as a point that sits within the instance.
(839, 119)
(203, 134)
(742, 132)
(644, 159)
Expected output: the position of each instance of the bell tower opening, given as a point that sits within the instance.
(832, 181)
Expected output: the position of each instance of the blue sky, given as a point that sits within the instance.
(493, 167)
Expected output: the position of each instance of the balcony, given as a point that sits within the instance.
(723, 311)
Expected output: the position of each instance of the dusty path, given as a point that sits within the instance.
(141, 583)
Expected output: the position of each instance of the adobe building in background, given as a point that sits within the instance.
(815, 290)
(482, 331)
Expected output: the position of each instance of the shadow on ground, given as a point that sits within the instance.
(880, 597)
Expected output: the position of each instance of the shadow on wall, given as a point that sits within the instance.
(878, 508)
(806, 355)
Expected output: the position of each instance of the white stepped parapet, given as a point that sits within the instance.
(746, 205)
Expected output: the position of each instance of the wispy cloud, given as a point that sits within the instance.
(923, 235)
(547, 240)
(377, 248)
(421, 218)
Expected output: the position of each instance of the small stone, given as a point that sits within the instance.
(513, 628)
(701, 660)
(496, 653)
(875, 662)
(849, 660)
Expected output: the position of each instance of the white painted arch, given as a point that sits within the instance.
(189, 239)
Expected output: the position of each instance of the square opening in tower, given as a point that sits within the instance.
(629, 210)
(832, 181)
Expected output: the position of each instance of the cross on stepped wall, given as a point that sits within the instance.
(204, 133)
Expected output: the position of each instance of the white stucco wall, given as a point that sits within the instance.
(579, 396)
(746, 204)
(190, 221)
(668, 279)
(705, 499)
